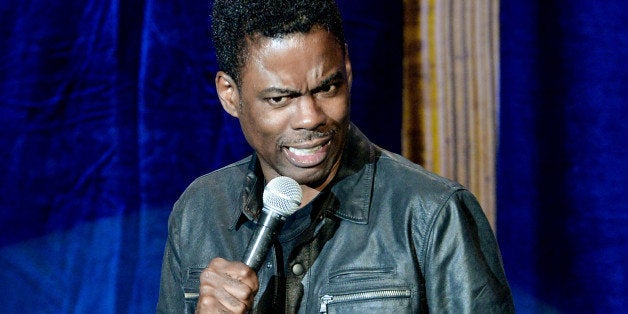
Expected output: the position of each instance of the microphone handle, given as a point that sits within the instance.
(259, 245)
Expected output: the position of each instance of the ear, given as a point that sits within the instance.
(348, 67)
(228, 93)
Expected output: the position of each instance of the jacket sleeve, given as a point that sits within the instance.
(463, 267)
(171, 295)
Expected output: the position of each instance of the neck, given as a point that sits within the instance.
(308, 194)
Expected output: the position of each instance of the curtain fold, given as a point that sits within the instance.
(450, 95)
(563, 155)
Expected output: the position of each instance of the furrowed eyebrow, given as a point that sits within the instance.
(279, 91)
(334, 78)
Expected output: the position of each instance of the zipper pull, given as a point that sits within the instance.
(326, 299)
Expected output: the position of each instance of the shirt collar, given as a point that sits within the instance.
(351, 189)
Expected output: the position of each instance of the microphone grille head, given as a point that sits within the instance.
(282, 195)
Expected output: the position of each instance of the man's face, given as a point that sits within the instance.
(293, 105)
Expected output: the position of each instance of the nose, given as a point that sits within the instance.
(308, 114)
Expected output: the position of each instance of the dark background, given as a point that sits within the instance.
(108, 111)
(563, 155)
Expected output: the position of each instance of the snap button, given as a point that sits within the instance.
(297, 269)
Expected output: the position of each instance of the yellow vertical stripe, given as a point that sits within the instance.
(450, 91)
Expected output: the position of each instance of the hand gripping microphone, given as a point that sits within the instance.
(281, 198)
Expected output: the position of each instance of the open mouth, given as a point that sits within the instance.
(309, 156)
(305, 151)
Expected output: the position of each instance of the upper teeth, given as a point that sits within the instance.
(305, 151)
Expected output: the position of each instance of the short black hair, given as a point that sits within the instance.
(235, 21)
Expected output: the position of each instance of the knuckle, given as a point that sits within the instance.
(206, 302)
(205, 289)
(206, 274)
(246, 272)
(215, 263)
(239, 307)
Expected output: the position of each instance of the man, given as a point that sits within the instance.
(375, 233)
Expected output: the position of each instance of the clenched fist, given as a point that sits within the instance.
(227, 287)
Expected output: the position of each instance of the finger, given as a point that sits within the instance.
(228, 284)
(236, 270)
(241, 284)
(244, 274)
(240, 291)
(214, 300)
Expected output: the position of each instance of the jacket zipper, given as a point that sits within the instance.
(331, 299)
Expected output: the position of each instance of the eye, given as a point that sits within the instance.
(328, 88)
(278, 100)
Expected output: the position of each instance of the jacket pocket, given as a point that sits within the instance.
(362, 274)
(191, 286)
(384, 300)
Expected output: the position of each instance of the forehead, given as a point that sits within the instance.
(317, 50)
(258, 40)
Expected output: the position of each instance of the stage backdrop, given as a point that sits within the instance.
(562, 201)
(108, 111)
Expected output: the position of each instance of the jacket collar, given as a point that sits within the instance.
(351, 189)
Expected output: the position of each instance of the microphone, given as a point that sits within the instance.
(281, 198)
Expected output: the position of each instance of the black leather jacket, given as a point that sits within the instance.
(387, 237)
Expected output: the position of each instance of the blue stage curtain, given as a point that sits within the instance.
(108, 111)
(563, 155)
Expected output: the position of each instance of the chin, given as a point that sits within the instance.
(313, 180)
